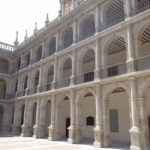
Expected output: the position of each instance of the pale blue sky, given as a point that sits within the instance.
(22, 14)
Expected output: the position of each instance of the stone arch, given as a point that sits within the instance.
(87, 27)
(113, 12)
(3, 88)
(64, 116)
(117, 112)
(67, 37)
(85, 107)
(116, 55)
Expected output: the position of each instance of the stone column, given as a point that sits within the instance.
(97, 19)
(135, 130)
(143, 124)
(40, 86)
(44, 49)
(98, 128)
(97, 60)
(127, 8)
(75, 32)
(27, 129)
(74, 59)
(130, 49)
(73, 130)
(29, 84)
(52, 127)
(55, 72)
(57, 42)
(36, 127)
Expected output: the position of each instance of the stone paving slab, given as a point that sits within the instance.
(19, 143)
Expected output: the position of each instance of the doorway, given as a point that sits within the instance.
(67, 126)
(149, 126)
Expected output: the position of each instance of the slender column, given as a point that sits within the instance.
(52, 127)
(97, 19)
(74, 58)
(143, 124)
(40, 79)
(44, 49)
(75, 31)
(102, 20)
(98, 128)
(130, 49)
(127, 8)
(57, 42)
(134, 131)
(36, 127)
(97, 60)
(26, 127)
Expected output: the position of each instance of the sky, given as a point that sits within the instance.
(21, 15)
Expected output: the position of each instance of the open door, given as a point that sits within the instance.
(67, 126)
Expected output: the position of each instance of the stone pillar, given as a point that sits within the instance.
(97, 60)
(75, 32)
(55, 73)
(73, 131)
(127, 8)
(36, 127)
(102, 20)
(27, 129)
(74, 59)
(130, 49)
(98, 128)
(40, 86)
(143, 124)
(97, 19)
(52, 127)
(44, 49)
(135, 130)
(57, 42)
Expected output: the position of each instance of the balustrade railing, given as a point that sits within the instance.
(6, 46)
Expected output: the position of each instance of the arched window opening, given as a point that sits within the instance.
(39, 53)
(88, 66)
(87, 27)
(143, 49)
(27, 58)
(114, 13)
(34, 113)
(90, 121)
(50, 77)
(4, 65)
(25, 82)
(68, 37)
(18, 63)
(1, 114)
(36, 81)
(22, 114)
(116, 57)
(2, 89)
(52, 46)
(142, 5)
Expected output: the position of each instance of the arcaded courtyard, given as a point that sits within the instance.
(19, 143)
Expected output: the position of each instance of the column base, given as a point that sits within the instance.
(16, 130)
(39, 132)
(27, 131)
(135, 139)
(52, 133)
(98, 137)
(74, 135)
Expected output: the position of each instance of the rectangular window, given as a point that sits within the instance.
(114, 120)
(113, 71)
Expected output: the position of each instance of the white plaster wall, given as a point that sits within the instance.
(120, 102)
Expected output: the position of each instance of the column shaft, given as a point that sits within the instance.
(97, 60)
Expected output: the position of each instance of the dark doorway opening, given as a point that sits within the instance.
(67, 126)
(149, 126)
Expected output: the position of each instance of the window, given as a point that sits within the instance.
(90, 121)
(114, 120)
(113, 71)
(88, 76)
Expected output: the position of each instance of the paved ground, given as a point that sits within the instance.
(19, 143)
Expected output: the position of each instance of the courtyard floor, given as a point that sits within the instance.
(19, 143)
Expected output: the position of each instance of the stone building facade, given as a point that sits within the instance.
(83, 77)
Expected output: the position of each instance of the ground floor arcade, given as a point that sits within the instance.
(112, 115)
